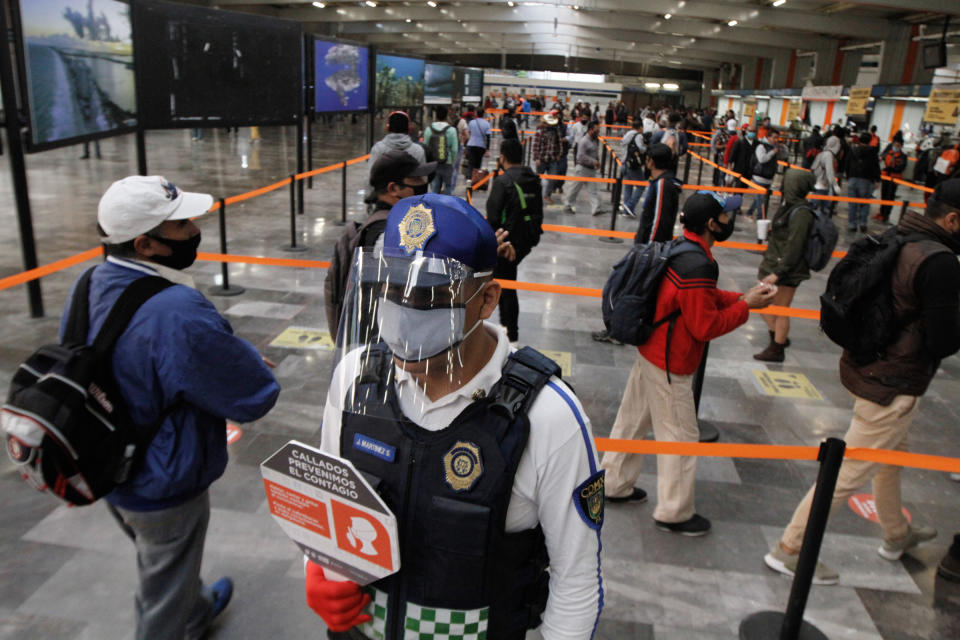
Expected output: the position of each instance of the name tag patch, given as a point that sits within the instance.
(374, 447)
(588, 498)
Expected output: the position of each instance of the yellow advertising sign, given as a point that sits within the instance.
(562, 358)
(943, 106)
(859, 97)
(749, 108)
(793, 110)
(782, 384)
(303, 338)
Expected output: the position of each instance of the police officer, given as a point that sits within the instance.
(483, 454)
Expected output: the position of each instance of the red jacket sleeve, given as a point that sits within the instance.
(727, 298)
(706, 317)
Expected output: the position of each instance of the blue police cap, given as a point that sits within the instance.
(440, 226)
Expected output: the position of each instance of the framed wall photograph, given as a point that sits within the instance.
(438, 84)
(209, 67)
(399, 81)
(78, 68)
(341, 76)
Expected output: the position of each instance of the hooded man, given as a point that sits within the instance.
(824, 169)
(397, 139)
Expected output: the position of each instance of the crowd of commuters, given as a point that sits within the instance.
(442, 356)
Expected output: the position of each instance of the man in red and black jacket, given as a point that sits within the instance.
(894, 163)
(659, 392)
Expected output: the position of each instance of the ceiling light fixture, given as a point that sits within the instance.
(652, 85)
(370, 3)
(732, 23)
(319, 5)
(408, 20)
(511, 3)
(667, 16)
(682, 4)
(431, 3)
(778, 3)
(671, 86)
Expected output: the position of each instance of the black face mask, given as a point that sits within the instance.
(184, 252)
(726, 229)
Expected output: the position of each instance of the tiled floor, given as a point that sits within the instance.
(69, 573)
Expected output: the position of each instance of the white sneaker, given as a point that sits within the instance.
(893, 549)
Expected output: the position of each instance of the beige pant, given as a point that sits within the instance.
(877, 427)
(649, 400)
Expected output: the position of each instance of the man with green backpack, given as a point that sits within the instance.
(515, 205)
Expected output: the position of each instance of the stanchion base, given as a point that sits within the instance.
(296, 249)
(218, 290)
(339, 223)
(765, 625)
(612, 240)
(708, 432)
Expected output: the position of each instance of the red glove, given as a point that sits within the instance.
(340, 604)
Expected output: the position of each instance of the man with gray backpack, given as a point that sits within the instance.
(802, 238)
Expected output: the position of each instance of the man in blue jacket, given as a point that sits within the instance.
(177, 362)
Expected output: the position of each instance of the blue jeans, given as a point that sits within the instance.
(171, 601)
(858, 211)
(757, 210)
(550, 168)
(443, 181)
(824, 206)
(632, 193)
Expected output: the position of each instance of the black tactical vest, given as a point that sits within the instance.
(450, 490)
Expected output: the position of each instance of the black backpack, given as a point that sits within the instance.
(438, 144)
(67, 427)
(335, 284)
(856, 310)
(525, 223)
(822, 238)
(630, 293)
(635, 157)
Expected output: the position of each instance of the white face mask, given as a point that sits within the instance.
(419, 334)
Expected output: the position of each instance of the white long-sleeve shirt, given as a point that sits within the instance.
(559, 457)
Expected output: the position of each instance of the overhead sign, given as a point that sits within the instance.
(832, 92)
(793, 110)
(331, 512)
(749, 109)
(943, 106)
(784, 384)
(859, 97)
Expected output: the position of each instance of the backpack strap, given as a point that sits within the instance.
(132, 298)
(78, 322)
(525, 373)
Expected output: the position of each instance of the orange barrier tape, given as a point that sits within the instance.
(586, 292)
(912, 185)
(698, 144)
(316, 172)
(777, 452)
(587, 231)
(550, 176)
(272, 262)
(45, 270)
(485, 179)
(257, 192)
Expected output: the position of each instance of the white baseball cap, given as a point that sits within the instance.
(731, 124)
(137, 204)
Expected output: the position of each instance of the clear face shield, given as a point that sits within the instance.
(412, 308)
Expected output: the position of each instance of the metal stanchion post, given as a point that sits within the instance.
(686, 168)
(343, 194)
(603, 160)
(310, 149)
(300, 163)
(903, 210)
(293, 218)
(613, 214)
(700, 173)
(708, 431)
(766, 202)
(770, 625)
(224, 289)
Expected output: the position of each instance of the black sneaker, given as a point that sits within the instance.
(603, 336)
(695, 526)
(637, 495)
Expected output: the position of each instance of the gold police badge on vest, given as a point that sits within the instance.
(416, 228)
(462, 466)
